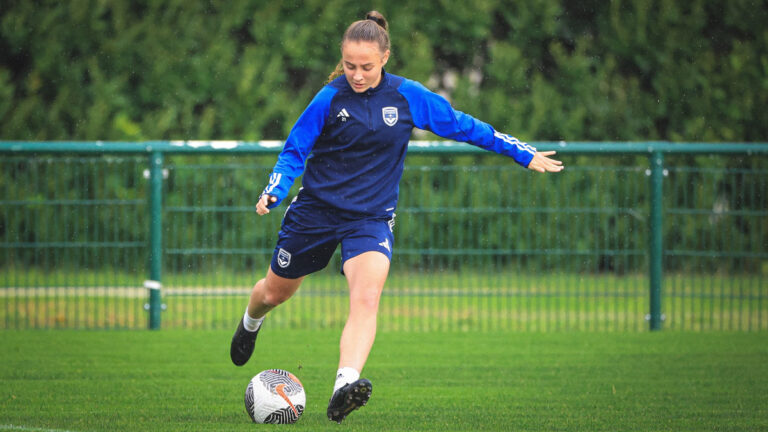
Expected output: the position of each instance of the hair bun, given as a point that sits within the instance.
(378, 18)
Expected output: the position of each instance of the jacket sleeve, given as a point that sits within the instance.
(434, 113)
(291, 162)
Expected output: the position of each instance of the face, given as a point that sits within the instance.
(362, 63)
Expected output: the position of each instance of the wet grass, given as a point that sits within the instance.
(181, 380)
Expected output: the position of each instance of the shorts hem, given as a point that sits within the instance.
(284, 274)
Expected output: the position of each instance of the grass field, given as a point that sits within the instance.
(181, 380)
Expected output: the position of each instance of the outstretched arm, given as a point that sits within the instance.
(433, 112)
(541, 162)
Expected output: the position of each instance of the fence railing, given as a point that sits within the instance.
(630, 236)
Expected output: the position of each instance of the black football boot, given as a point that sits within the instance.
(242, 344)
(349, 398)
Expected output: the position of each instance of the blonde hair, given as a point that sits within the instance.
(374, 28)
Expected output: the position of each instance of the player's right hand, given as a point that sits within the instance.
(264, 201)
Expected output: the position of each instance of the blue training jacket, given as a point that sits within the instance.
(354, 144)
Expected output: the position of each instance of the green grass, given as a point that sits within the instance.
(177, 380)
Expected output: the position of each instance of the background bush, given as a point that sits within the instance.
(244, 70)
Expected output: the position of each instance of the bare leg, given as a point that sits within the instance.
(266, 294)
(270, 292)
(366, 275)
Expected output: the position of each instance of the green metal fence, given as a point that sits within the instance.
(631, 236)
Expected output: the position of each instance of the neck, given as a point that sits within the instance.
(378, 81)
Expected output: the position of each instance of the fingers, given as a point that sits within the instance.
(542, 163)
(552, 165)
(261, 206)
(264, 201)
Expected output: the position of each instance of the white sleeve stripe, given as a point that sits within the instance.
(515, 142)
(274, 180)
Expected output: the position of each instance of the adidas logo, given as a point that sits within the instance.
(343, 114)
(385, 244)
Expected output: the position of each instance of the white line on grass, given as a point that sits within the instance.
(30, 429)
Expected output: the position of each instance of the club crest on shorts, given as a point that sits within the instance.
(283, 258)
(390, 115)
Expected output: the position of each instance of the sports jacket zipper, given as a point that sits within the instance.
(368, 111)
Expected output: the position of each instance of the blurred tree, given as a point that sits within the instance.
(245, 70)
(543, 70)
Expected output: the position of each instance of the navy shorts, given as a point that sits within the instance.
(307, 241)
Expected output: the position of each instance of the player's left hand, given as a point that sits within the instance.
(541, 162)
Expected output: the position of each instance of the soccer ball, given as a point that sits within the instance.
(275, 396)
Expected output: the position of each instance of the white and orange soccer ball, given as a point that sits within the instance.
(275, 396)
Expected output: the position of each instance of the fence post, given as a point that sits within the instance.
(155, 238)
(656, 246)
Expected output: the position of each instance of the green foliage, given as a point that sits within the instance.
(454, 213)
(541, 70)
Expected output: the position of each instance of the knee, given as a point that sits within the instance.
(274, 296)
(367, 300)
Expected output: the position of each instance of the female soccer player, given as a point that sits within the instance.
(351, 142)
